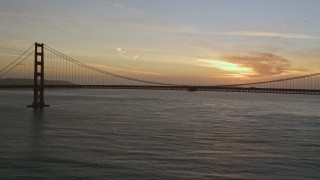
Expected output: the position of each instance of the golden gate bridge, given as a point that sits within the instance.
(39, 70)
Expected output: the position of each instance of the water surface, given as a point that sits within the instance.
(133, 134)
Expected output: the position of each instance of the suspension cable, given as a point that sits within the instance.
(16, 65)
(102, 71)
(17, 58)
(7, 69)
(277, 80)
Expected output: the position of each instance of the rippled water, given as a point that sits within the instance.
(127, 134)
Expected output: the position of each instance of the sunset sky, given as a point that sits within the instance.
(196, 41)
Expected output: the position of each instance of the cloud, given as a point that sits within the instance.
(264, 64)
(8, 54)
(12, 42)
(231, 75)
(135, 70)
(136, 57)
(160, 27)
(127, 7)
(233, 69)
(120, 51)
(252, 65)
(267, 34)
(15, 14)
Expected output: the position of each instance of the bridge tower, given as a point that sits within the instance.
(38, 81)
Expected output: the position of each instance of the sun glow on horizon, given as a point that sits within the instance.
(235, 70)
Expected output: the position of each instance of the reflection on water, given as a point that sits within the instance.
(37, 134)
(105, 134)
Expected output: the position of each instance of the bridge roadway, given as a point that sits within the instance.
(177, 88)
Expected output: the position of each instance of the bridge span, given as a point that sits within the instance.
(48, 68)
(175, 88)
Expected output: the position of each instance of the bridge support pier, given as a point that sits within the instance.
(38, 83)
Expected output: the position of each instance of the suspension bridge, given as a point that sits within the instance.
(41, 67)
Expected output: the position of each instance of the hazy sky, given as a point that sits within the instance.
(204, 41)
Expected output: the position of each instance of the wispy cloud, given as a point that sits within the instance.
(136, 57)
(12, 42)
(231, 75)
(159, 27)
(120, 51)
(191, 30)
(233, 69)
(117, 69)
(8, 54)
(75, 25)
(266, 34)
(15, 14)
(252, 65)
(127, 7)
(264, 64)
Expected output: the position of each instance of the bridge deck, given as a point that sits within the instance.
(177, 88)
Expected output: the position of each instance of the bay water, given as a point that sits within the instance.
(135, 134)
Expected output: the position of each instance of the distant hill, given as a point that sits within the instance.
(11, 81)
